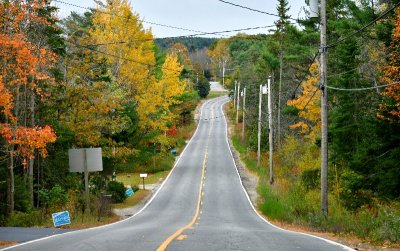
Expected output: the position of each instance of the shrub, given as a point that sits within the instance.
(117, 190)
(21, 219)
(55, 198)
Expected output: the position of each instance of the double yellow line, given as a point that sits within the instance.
(168, 241)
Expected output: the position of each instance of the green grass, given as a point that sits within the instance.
(133, 179)
(290, 202)
(133, 200)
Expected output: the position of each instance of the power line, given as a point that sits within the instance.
(362, 89)
(308, 102)
(305, 75)
(383, 15)
(220, 32)
(118, 57)
(186, 36)
(254, 10)
(126, 17)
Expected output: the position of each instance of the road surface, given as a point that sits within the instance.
(200, 206)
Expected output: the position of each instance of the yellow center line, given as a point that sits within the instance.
(168, 241)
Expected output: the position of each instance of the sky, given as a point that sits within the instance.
(198, 15)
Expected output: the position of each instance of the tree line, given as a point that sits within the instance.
(90, 80)
(363, 81)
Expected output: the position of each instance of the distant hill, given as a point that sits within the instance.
(192, 43)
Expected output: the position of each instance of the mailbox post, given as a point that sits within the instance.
(143, 176)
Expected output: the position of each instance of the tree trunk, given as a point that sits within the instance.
(31, 161)
(279, 98)
(10, 182)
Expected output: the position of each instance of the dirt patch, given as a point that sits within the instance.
(4, 244)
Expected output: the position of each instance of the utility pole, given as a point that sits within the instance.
(244, 107)
(271, 135)
(234, 96)
(324, 113)
(259, 129)
(280, 96)
(238, 104)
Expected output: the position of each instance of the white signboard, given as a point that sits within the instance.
(143, 175)
(264, 89)
(94, 160)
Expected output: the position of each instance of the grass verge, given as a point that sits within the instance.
(293, 202)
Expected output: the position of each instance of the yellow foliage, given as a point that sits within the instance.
(310, 99)
(131, 56)
(154, 104)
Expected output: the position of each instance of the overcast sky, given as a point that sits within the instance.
(199, 15)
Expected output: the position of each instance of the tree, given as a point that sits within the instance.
(220, 56)
(26, 73)
(309, 105)
(390, 110)
(203, 87)
(281, 27)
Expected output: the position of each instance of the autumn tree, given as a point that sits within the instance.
(26, 67)
(390, 110)
(220, 56)
(308, 105)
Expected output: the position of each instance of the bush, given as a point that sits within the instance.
(117, 190)
(20, 219)
(203, 87)
(55, 198)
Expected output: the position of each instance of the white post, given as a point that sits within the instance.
(271, 136)
(86, 173)
(234, 96)
(259, 129)
(238, 104)
(244, 107)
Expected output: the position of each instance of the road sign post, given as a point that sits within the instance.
(85, 160)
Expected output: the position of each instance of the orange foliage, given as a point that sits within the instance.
(29, 139)
(24, 67)
(391, 110)
(172, 131)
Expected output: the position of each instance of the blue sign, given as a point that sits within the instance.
(129, 192)
(61, 218)
(173, 151)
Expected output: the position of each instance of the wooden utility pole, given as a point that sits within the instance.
(234, 96)
(244, 114)
(259, 129)
(324, 113)
(271, 135)
(238, 104)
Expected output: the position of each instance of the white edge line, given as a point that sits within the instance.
(129, 218)
(254, 209)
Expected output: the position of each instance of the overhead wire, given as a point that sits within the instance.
(126, 17)
(254, 10)
(362, 89)
(305, 75)
(362, 29)
(308, 102)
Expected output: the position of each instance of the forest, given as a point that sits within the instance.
(363, 119)
(95, 79)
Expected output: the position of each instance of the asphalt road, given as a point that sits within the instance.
(200, 206)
